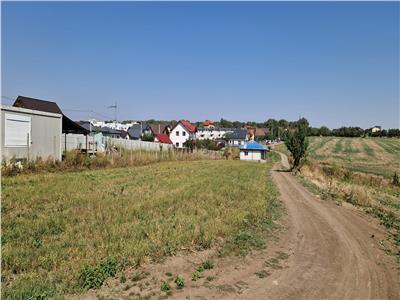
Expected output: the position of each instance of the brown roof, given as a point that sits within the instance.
(261, 131)
(68, 126)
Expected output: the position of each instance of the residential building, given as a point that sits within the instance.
(181, 132)
(212, 133)
(376, 129)
(253, 151)
(208, 124)
(136, 131)
(237, 137)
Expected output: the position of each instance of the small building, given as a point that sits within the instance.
(212, 133)
(253, 151)
(181, 132)
(376, 129)
(28, 134)
(238, 137)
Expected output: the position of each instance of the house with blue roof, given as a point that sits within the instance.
(253, 151)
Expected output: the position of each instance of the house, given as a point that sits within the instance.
(237, 137)
(136, 131)
(212, 133)
(106, 131)
(28, 134)
(253, 151)
(181, 132)
(376, 129)
(208, 124)
(162, 138)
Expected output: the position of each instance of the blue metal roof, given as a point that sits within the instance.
(253, 146)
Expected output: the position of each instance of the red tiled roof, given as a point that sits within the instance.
(208, 122)
(163, 138)
(189, 126)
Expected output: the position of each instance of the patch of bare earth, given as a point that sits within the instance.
(325, 252)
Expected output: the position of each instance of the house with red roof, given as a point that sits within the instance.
(181, 132)
(162, 138)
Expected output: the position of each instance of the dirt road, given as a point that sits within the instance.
(327, 252)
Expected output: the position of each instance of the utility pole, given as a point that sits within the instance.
(115, 114)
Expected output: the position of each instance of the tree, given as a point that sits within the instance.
(297, 144)
(325, 131)
(148, 138)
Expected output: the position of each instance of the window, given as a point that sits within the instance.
(17, 130)
(246, 153)
(183, 133)
(177, 133)
(177, 144)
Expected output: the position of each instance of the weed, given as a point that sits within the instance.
(208, 264)
(197, 275)
(165, 287)
(169, 274)
(93, 277)
(262, 274)
(180, 282)
(210, 278)
(122, 278)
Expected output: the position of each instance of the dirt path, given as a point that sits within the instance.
(325, 252)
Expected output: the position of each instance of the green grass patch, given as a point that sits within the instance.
(67, 232)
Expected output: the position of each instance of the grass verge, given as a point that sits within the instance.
(67, 232)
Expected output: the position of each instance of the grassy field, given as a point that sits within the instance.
(379, 156)
(66, 232)
(359, 171)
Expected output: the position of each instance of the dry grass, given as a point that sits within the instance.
(56, 224)
(75, 160)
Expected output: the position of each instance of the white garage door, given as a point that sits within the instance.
(17, 130)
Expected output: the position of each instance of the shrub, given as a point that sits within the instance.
(196, 276)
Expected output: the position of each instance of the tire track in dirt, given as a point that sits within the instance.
(331, 252)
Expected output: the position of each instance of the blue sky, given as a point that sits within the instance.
(334, 63)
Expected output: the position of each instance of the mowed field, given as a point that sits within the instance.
(58, 228)
(379, 156)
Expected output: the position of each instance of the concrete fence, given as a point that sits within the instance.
(136, 145)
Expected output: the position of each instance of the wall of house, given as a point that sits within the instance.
(181, 138)
(44, 130)
(236, 142)
(251, 154)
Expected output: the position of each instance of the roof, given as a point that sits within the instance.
(158, 128)
(238, 134)
(68, 126)
(208, 123)
(136, 130)
(253, 146)
(163, 138)
(189, 126)
(261, 131)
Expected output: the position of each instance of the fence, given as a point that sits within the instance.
(136, 145)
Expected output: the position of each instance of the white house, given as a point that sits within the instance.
(238, 137)
(212, 133)
(253, 151)
(181, 132)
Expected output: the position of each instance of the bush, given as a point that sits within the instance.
(208, 264)
(165, 287)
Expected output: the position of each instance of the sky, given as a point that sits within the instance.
(335, 63)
